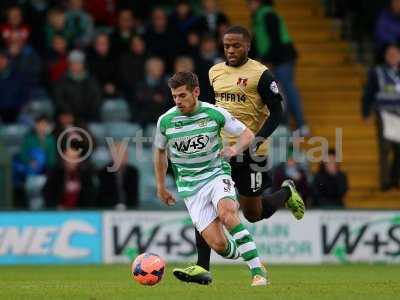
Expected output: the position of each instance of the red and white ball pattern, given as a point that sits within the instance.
(148, 269)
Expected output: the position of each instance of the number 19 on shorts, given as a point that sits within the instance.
(255, 181)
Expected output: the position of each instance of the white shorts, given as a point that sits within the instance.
(203, 206)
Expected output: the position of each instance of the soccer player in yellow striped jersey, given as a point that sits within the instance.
(249, 92)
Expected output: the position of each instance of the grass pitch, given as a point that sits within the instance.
(230, 282)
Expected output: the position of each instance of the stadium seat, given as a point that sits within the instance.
(98, 131)
(278, 144)
(33, 189)
(143, 162)
(147, 184)
(150, 132)
(100, 157)
(121, 130)
(142, 159)
(36, 108)
(11, 136)
(115, 110)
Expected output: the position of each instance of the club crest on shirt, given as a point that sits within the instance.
(178, 125)
(274, 87)
(202, 122)
(242, 83)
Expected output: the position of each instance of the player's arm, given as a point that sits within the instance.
(161, 166)
(243, 142)
(236, 128)
(268, 89)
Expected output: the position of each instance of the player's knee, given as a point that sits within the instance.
(227, 214)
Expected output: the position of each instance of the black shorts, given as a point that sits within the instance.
(251, 178)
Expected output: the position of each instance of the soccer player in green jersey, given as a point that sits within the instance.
(248, 91)
(189, 134)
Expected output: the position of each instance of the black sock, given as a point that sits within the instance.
(203, 252)
(271, 202)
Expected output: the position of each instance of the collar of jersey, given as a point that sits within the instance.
(247, 60)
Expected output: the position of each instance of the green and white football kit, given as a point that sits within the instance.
(194, 143)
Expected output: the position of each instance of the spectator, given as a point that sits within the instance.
(152, 94)
(57, 60)
(274, 46)
(183, 64)
(142, 8)
(220, 34)
(56, 26)
(388, 25)
(14, 26)
(70, 184)
(358, 20)
(184, 21)
(121, 37)
(102, 65)
(208, 57)
(64, 120)
(78, 92)
(214, 17)
(119, 189)
(160, 39)
(15, 90)
(38, 152)
(330, 184)
(102, 11)
(36, 157)
(79, 23)
(25, 60)
(193, 44)
(35, 12)
(382, 95)
(80, 137)
(292, 169)
(131, 67)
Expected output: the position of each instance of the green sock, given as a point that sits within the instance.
(231, 251)
(247, 249)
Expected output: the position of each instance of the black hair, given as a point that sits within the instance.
(236, 29)
(42, 117)
(179, 2)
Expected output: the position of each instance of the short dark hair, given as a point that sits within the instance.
(236, 29)
(184, 78)
(12, 7)
(42, 117)
(180, 2)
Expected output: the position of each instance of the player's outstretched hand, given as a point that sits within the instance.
(228, 152)
(166, 196)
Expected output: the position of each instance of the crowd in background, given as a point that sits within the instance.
(80, 55)
(81, 52)
(375, 27)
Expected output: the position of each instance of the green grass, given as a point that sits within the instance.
(230, 282)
